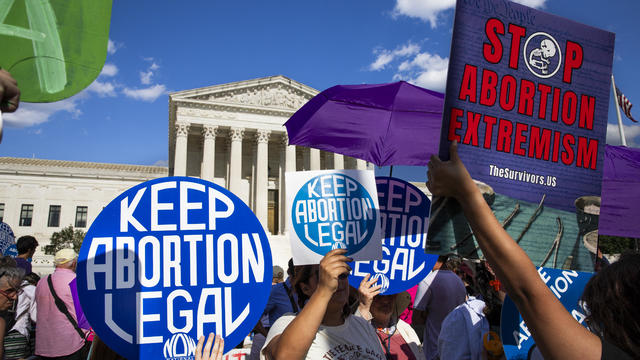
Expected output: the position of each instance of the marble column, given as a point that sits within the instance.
(262, 177)
(207, 169)
(361, 164)
(314, 161)
(180, 159)
(235, 160)
(290, 166)
(338, 161)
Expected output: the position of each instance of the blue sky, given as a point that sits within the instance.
(161, 46)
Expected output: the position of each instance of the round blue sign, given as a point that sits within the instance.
(334, 211)
(7, 241)
(404, 216)
(170, 260)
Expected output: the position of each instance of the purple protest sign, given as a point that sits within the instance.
(620, 192)
(527, 99)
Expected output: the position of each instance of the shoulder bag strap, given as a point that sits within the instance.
(63, 309)
(294, 306)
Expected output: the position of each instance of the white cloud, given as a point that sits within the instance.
(145, 76)
(109, 70)
(113, 46)
(386, 56)
(161, 163)
(631, 134)
(430, 10)
(103, 89)
(427, 10)
(421, 68)
(149, 94)
(29, 114)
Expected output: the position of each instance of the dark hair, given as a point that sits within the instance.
(302, 275)
(25, 244)
(611, 296)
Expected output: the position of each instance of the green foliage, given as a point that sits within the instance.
(65, 238)
(615, 244)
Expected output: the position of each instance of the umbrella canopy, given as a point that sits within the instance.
(386, 124)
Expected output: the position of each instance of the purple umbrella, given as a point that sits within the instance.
(386, 124)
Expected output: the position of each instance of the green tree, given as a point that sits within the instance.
(65, 238)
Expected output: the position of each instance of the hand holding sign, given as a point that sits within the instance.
(9, 92)
(366, 292)
(449, 178)
(209, 353)
(333, 267)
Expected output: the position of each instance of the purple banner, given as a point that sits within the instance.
(620, 192)
(527, 99)
(82, 320)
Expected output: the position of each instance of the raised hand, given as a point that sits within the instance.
(210, 353)
(449, 178)
(333, 265)
(9, 92)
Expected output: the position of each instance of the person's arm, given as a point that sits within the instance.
(555, 331)
(296, 339)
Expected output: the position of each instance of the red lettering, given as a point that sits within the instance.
(567, 142)
(587, 108)
(519, 139)
(587, 153)
(517, 32)
(527, 91)
(539, 143)
(455, 124)
(471, 135)
(572, 60)
(505, 128)
(488, 133)
(488, 91)
(508, 89)
(556, 146)
(569, 107)
(493, 51)
(469, 84)
(556, 104)
(544, 95)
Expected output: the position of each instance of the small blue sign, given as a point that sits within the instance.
(170, 260)
(334, 211)
(566, 285)
(404, 216)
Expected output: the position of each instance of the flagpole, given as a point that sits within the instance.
(615, 99)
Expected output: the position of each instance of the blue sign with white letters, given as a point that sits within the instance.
(7, 241)
(404, 216)
(170, 260)
(566, 285)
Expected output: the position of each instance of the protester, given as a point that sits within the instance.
(282, 300)
(9, 92)
(26, 246)
(209, 352)
(439, 293)
(278, 275)
(20, 340)
(324, 327)
(462, 331)
(611, 294)
(10, 278)
(397, 338)
(53, 324)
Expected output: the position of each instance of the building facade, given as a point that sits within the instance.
(231, 134)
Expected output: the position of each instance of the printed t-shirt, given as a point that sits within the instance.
(439, 293)
(355, 339)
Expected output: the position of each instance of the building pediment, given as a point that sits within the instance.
(276, 93)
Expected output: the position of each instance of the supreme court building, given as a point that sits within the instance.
(231, 134)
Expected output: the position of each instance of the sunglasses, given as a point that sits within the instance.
(11, 293)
